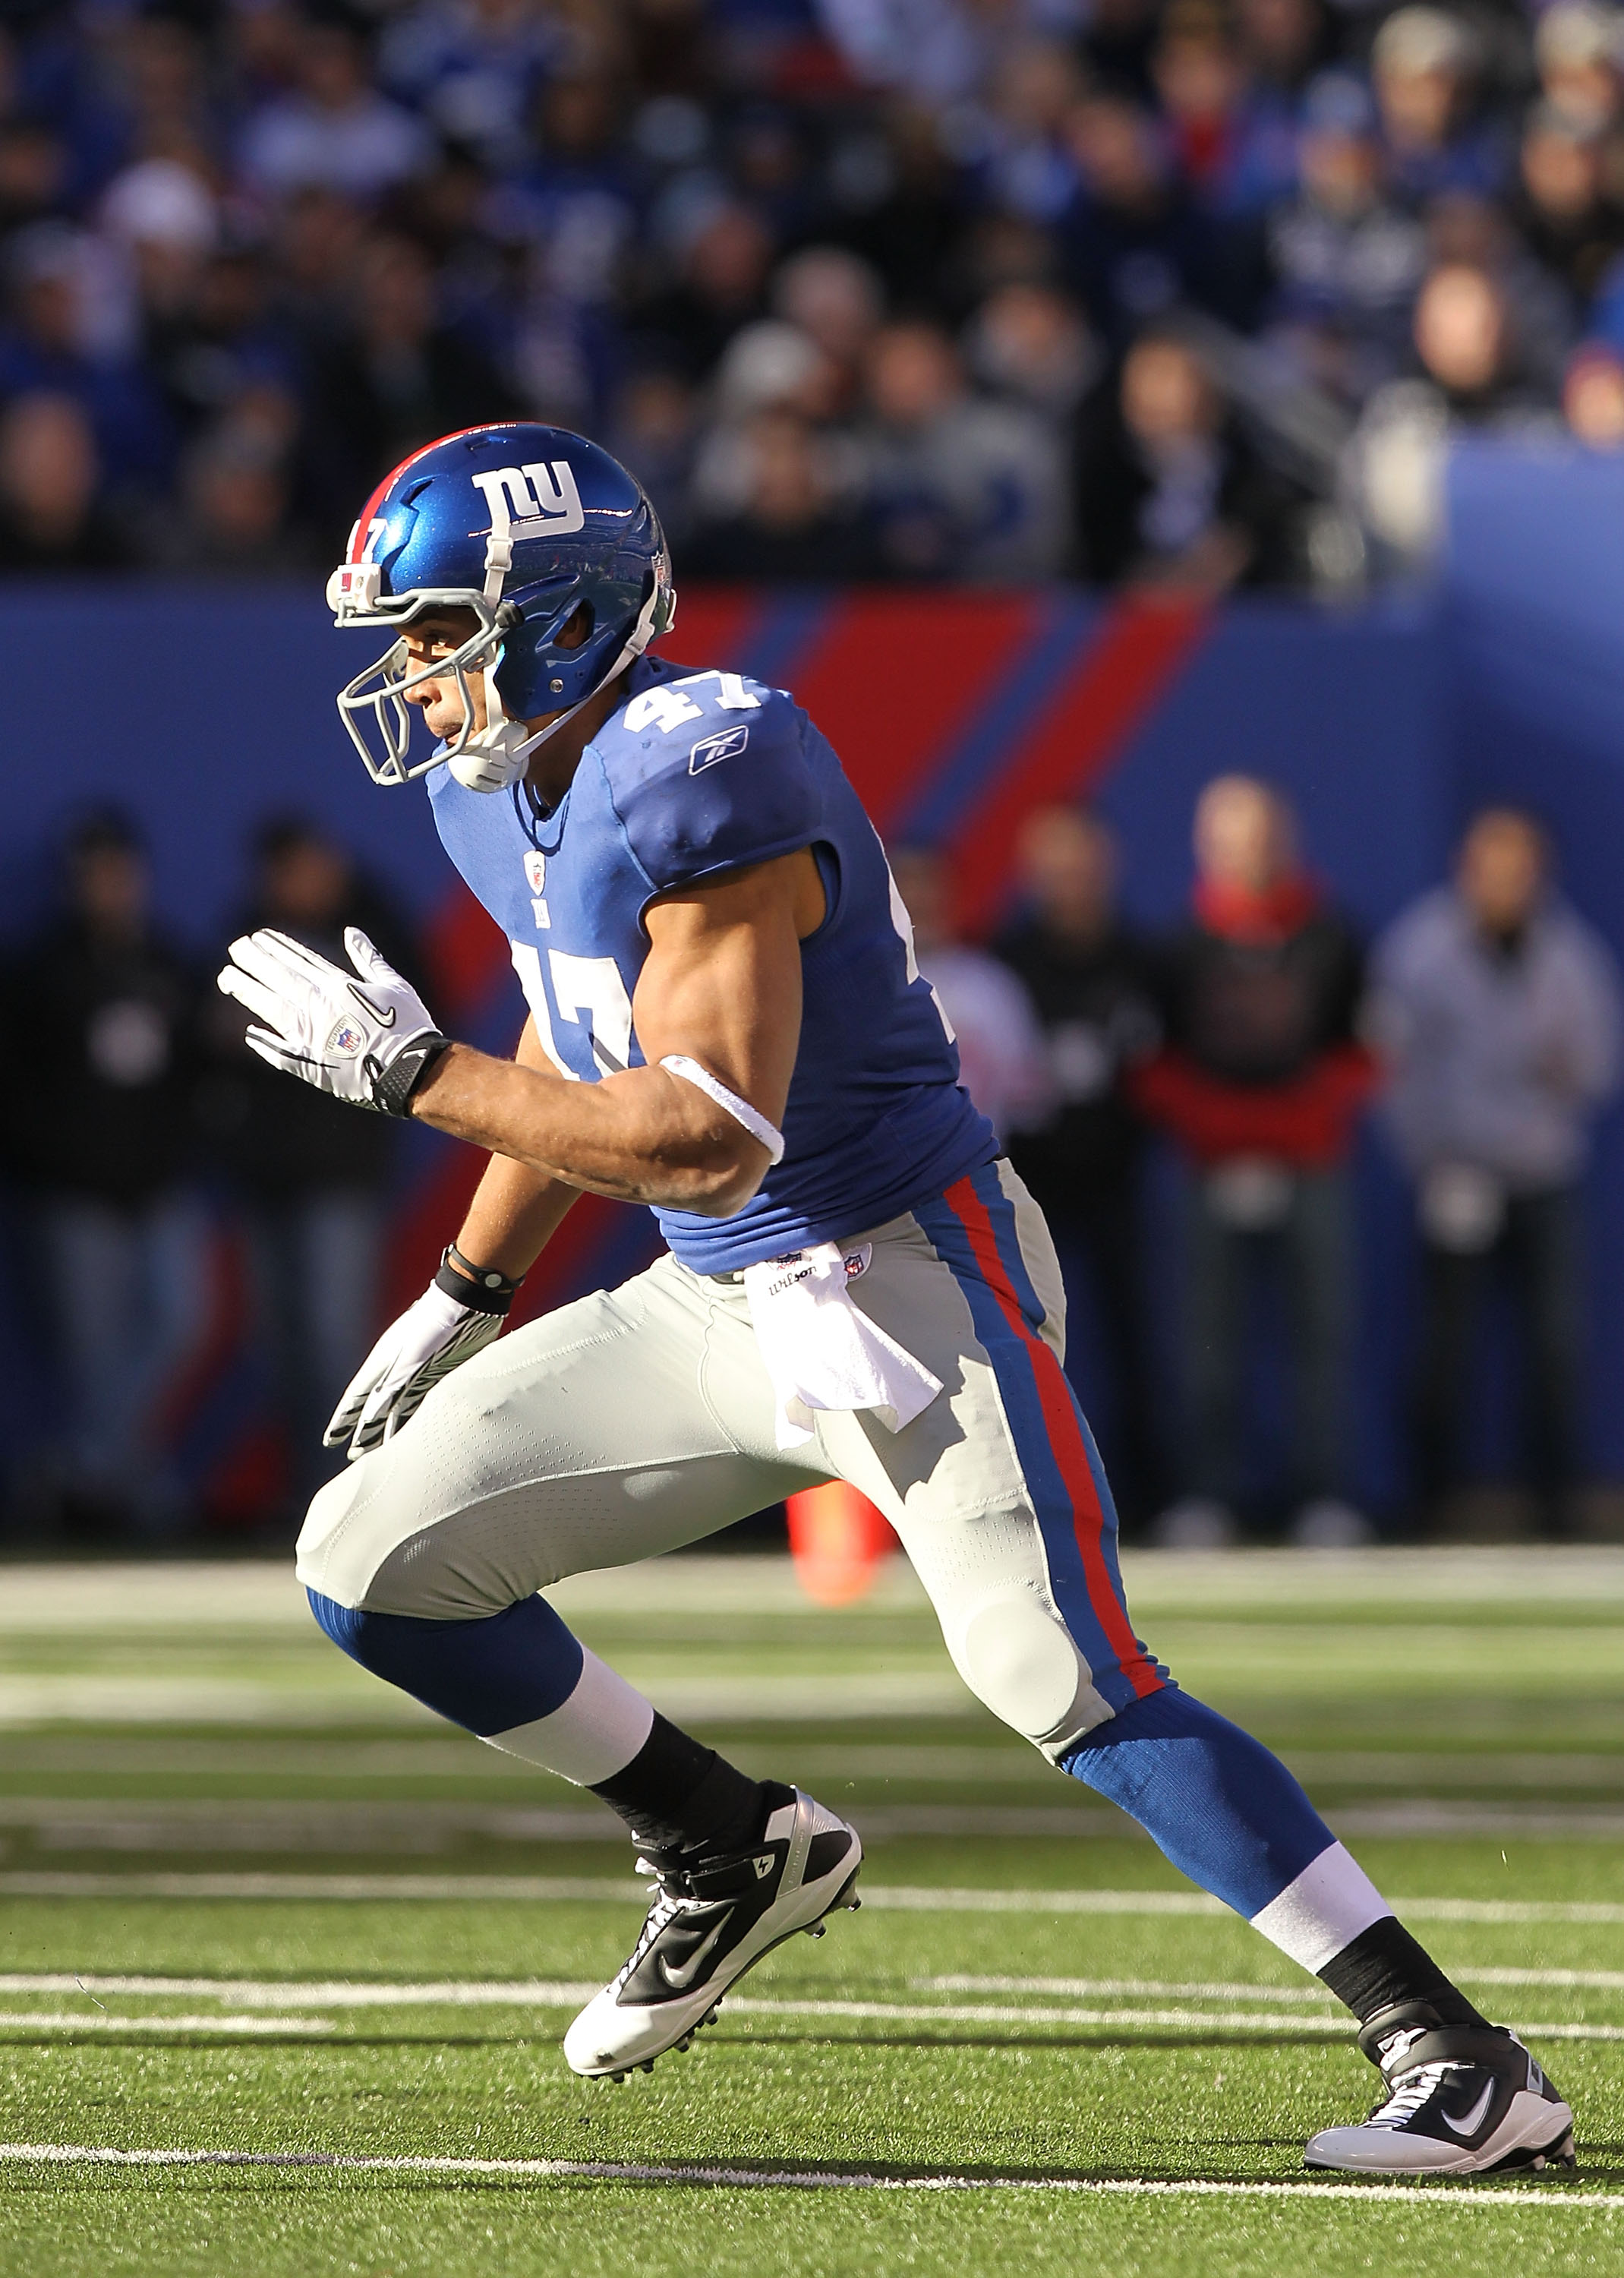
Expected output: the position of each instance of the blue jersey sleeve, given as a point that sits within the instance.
(701, 786)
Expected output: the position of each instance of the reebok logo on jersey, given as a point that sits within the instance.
(711, 750)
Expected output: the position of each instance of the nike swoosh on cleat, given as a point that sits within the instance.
(1474, 2118)
(683, 1976)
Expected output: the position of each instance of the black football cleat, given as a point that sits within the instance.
(1462, 2100)
(711, 1921)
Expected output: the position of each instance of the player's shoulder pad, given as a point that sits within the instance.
(708, 771)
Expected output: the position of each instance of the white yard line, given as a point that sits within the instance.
(1591, 1981)
(319, 1993)
(898, 1898)
(586, 1890)
(54, 2021)
(1080, 1988)
(73, 1598)
(1528, 2196)
(760, 1698)
(1264, 2015)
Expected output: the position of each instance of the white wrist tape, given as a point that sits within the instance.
(740, 1110)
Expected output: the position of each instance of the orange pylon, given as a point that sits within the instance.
(839, 1543)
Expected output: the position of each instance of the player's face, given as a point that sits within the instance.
(439, 633)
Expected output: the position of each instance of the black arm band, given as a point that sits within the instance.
(393, 1087)
(481, 1287)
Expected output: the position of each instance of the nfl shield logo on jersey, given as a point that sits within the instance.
(535, 870)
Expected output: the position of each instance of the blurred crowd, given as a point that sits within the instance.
(1175, 290)
(1482, 1031)
(177, 1202)
(1184, 1107)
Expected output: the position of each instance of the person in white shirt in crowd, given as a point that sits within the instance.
(1003, 1064)
(1498, 1010)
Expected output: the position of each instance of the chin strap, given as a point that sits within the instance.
(496, 758)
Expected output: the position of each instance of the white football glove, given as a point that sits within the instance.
(366, 1036)
(431, 1338)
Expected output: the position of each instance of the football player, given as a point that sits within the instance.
(726, 1023)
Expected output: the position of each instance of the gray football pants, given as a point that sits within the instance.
(642, 1417)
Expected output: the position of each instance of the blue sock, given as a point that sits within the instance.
(1224, 1810)
(491, 1675)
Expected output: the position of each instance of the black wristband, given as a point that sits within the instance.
(479, 1287)
(393, 1086)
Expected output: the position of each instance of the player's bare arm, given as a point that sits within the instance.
(723, 987)
(516, 1210)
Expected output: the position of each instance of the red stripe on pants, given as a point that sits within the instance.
(1065, 1439)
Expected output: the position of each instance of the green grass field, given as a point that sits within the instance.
(264, 1915)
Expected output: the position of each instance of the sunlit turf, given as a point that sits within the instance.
(1460, 1719)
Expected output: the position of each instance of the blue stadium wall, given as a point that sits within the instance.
(203, 712)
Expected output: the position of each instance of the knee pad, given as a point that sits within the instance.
(1017, 1655)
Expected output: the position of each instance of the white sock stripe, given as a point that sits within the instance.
(590, 1736)
(1328, 1905)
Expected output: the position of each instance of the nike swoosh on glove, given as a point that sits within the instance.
(366, 1036)
(430, 1339)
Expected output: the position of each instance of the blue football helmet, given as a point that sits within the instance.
(523, 524)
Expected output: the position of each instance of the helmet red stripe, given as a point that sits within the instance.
(490, 427)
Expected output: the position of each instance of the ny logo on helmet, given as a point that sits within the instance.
(532, 501)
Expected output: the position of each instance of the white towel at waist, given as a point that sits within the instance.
(821, 1351)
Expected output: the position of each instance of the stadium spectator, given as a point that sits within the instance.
(720, 286)
(1576, 52)
(1499, 1010)
(1023, 164)
(103, 1010)
(835, 299)
(1169, 490)
(1566, 219)
(910, 209)
(1260, 1082)
(312, 1177)
(1473, 378)
(1346, 261)
(54, 340)
(791, 525)
(51, 520)
(1002, 1060)
(1425, 65)
(959, 487)
(1133, 241)
(1593, 398)
(473, 71)
(235, 519)
(1199, 76)
(397, 378)
(1030, 344)
(1092, 982)
(336, 132)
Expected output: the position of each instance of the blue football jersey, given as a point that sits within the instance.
(696, 774)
